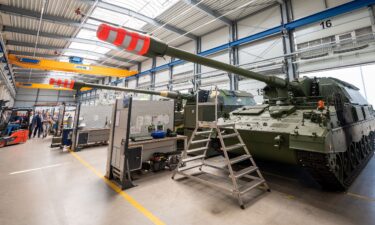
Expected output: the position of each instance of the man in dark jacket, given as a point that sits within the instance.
(31, 127)
(37, 124)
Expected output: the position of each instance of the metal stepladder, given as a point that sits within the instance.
(225, 173)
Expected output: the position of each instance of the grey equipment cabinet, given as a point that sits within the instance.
(131, 118)
(119, 155)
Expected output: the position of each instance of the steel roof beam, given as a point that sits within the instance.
(144, 18)
(54, 57)
(208, 11)
(57, 36)
(51, 18)
(33, 14)
(78, 51)
(69, 22)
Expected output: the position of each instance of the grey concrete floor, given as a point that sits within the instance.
(39, 185)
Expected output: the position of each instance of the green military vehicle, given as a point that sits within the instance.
(327, 128)
(322, 124)
(185, 103)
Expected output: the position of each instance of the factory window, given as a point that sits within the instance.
(328, 40)
(317, 42)
(344, 37)
(360, 35)
(363, 31)
(364, 34)
(303, 45)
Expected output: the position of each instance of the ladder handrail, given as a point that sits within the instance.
(234, 175)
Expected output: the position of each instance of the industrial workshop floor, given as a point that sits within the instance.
(39, 185)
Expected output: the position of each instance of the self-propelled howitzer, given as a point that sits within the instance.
(322, 124)
(185, 102)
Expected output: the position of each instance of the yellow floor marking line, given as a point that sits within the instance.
(361, 197)
(127, 197)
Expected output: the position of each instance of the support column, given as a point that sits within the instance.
(95, 91)
(152, 86)
(37, 96)
(233, 56)
(197, 67)
(58, 96)
(363, 82)
(288, 41)
(170, 82)
(137, 77)
(371, 10)
(2, 90)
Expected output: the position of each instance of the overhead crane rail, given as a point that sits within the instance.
(46, 86)
(53, 65)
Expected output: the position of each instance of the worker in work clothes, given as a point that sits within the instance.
(37, 124)
(14, 124)
(47, 121)
(31, 124)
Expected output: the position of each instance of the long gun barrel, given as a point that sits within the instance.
(72, 84)
(148, 46)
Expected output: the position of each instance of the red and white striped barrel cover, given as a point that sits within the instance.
(131, 41)
(62, 83)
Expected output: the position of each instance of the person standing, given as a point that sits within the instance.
(31, 124)
(47, 120)
(38, 125)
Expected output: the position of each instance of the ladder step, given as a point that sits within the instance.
(226, 125)
(230, 135)
(239, 159)
(245, 171)
(251, 185)
(196, 149)
(203, 132)
(193, 158)
(189, 167)
(207, 124)
(206, 103)
(233, 147)
(200, 141)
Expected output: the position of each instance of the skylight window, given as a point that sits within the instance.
(93, 22)
(150, 8)
(89, 47)
(87, 34)
(117, 18)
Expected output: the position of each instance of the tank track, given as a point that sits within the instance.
(336, 171)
